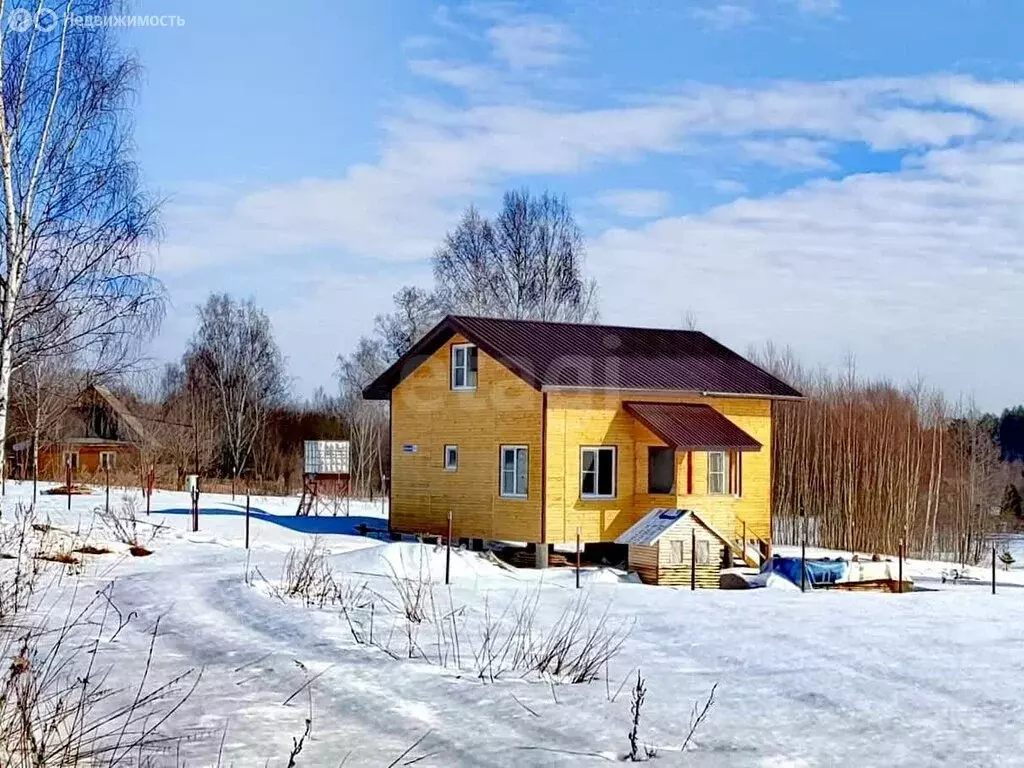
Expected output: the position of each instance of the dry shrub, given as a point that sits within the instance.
(58, 707)
(575, 649)
(122, 523)
(308, 576)
(89, 549)
(416, 593)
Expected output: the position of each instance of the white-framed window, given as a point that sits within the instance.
(451, 458)
(680, 556)
(464, 362)
(718, 469)
(108, 459)
(71, 457)
(677, 552)
(597, 472)
(703, 552)
(515, 471)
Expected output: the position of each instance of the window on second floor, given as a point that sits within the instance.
(451, 458)
(717, 471)
(464, 363)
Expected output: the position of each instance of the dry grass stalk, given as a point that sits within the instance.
(57, 707)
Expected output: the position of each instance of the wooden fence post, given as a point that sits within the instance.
(803, 565)
(901, 566)
(693, 559)
(448, 552)
(993, 569)
(578, 535)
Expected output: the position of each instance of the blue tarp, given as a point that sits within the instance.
(822, 571)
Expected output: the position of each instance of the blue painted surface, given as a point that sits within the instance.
(818, 571)
(374, 527)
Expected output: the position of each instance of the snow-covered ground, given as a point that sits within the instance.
(818, 679)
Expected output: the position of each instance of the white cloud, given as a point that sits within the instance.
(793, 153)
(636, 203)
(918, 270)
(724, 15)
(729, 187)
(435, 159)
(817, 7)
(530, 43)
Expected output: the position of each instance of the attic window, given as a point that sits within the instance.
(464, 361)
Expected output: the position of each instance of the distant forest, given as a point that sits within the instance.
(1008, 433)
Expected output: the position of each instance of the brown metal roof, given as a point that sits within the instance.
(595, 356)
(691, 426)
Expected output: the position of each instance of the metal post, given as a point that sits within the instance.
(993, 569)
(150, 477)
(579, 533)
(901, 567)
(693, 559)
(195, 509)
(106, 477)
(448, 552)
(803, 565)
(247, 519)
(67, 475)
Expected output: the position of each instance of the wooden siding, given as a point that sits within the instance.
(590, 418)
(427, 413)
(658, 565)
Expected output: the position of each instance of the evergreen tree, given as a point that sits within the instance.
(1012, 502)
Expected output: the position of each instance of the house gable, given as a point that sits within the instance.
(427, 415)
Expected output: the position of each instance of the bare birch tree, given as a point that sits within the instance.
(75, 222)
(234, 356)
(865, 464)
(529, 263)
(416, 312)
(367, 420)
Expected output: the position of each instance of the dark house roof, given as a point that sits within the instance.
(594, 357)
(691, 426)
(125, 416)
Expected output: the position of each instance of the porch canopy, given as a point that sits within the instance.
(691, 426)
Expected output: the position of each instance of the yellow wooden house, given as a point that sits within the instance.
(533, 431)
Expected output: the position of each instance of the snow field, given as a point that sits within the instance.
(822, 679)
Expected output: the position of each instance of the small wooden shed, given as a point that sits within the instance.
(661, 548)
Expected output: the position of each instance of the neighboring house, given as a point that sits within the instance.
(529, 431)
(97, 432)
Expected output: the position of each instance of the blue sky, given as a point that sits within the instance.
(842, 177)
